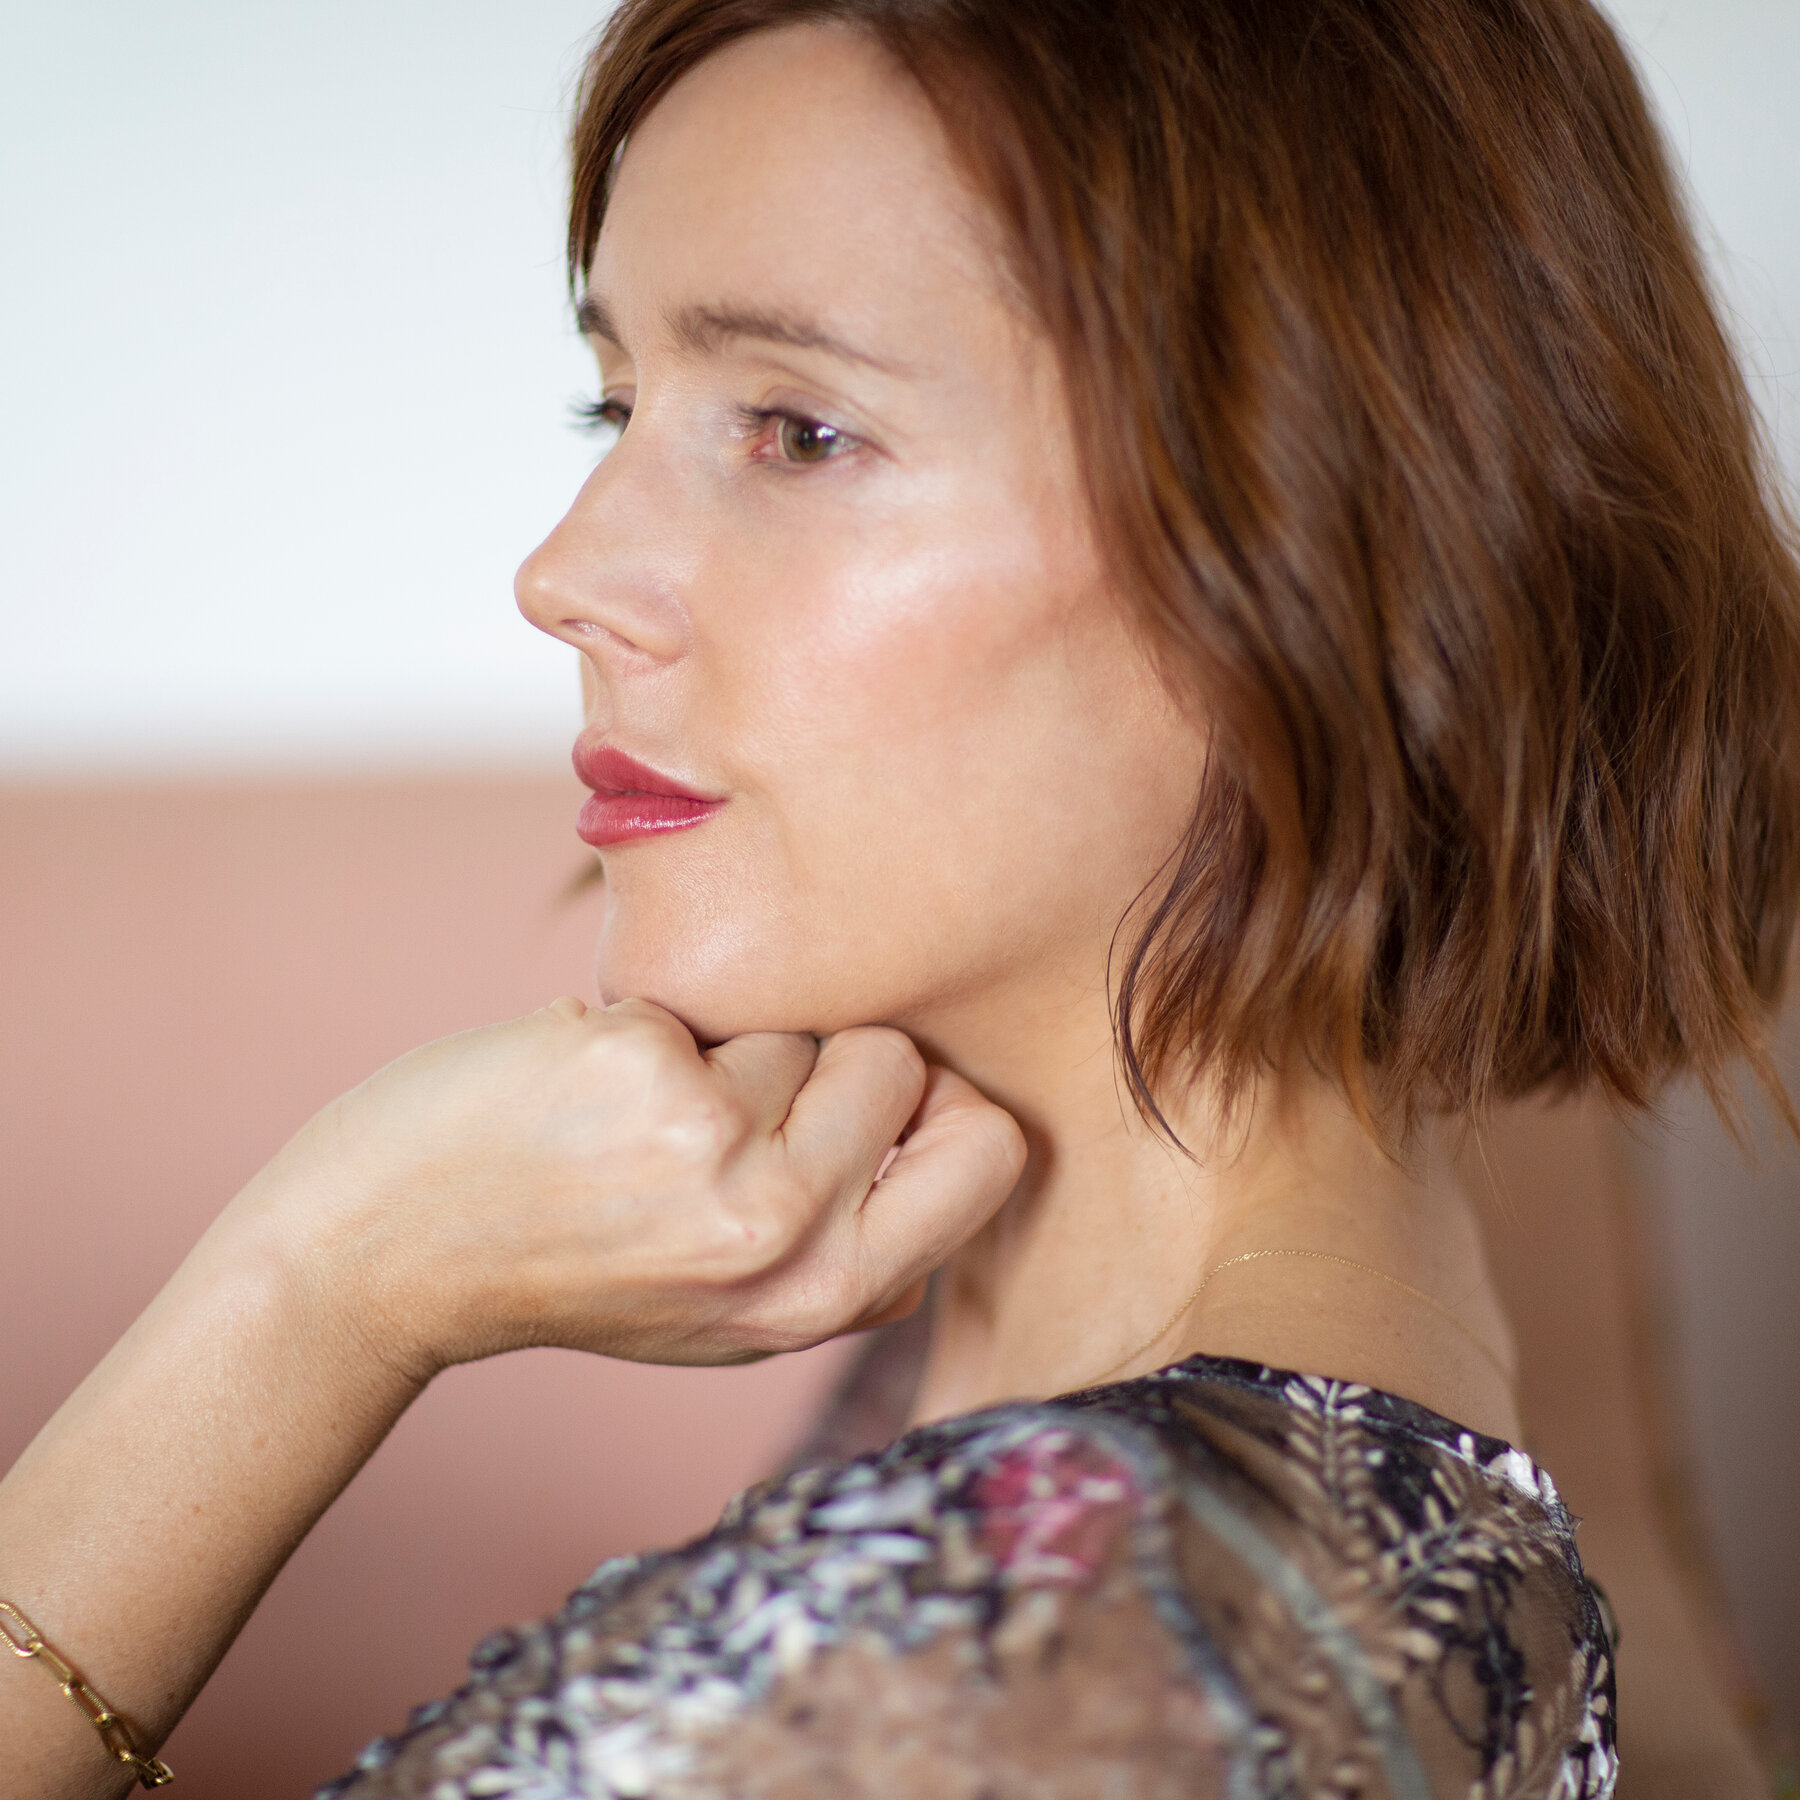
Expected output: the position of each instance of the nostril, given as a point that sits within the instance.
(594, 632)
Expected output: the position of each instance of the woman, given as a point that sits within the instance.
(1181, 598)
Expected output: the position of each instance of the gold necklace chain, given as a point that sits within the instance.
(1231, 1262)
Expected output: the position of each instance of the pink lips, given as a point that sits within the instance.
(631, 801)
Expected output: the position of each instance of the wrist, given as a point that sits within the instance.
(288, 1263)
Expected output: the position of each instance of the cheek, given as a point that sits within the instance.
(896, 674)
(957, 737)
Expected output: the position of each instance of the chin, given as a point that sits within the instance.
(733, 943)
(720, 983)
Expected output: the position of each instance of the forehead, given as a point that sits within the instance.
(800, 166)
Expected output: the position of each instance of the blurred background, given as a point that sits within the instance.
(285, 357)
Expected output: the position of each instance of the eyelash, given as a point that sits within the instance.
(612, 415)
(599, 415)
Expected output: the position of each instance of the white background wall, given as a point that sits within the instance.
(284, 357)
(284, 364)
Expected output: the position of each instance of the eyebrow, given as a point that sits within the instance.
(705, 329)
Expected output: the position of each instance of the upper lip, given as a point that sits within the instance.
(610, 771)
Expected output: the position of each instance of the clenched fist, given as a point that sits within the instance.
(590, 1178)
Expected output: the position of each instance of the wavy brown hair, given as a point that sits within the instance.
(1410, 428)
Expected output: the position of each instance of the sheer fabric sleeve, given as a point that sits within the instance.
(1217, 1583)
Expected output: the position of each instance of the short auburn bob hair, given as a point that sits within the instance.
(1410, 429)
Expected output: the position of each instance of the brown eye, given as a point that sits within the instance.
(807, 441)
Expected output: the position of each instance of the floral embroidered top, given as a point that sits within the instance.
(1218, 1581)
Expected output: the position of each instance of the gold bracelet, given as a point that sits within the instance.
(24, 1639)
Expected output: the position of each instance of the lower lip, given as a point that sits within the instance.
(608, 819)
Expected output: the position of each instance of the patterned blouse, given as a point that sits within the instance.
(1220, 1582)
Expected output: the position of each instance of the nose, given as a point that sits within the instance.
(602, 580)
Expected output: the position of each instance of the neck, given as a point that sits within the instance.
(1112, 1227)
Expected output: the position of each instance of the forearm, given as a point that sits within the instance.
(141, 1527)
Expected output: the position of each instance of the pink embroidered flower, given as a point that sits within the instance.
(1052, 1507)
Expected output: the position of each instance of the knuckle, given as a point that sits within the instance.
(786, 1206)
(658, 1044)
(713, 1128)
(634, 1009)
(730, 1251)
(756, 1229)
(639, 1028)
(693, 1139)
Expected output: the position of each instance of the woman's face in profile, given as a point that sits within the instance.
(836, 571)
